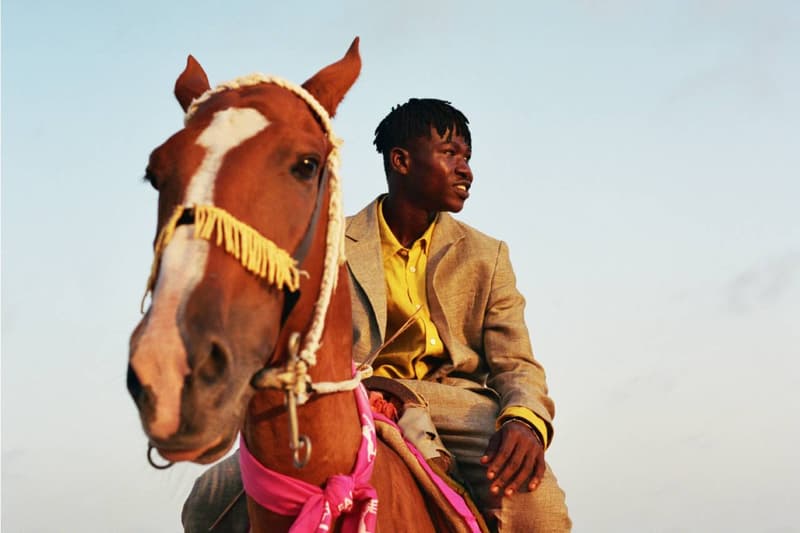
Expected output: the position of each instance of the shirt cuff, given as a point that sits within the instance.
(541, 427)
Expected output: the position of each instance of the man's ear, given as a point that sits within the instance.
(399, 160)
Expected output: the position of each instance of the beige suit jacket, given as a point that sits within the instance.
(474, 303)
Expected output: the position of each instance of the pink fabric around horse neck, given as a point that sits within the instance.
(317, 509)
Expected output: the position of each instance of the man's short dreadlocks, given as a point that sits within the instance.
(414, 119)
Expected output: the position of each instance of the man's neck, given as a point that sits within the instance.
(406, 221)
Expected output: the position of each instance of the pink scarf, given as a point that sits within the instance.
(317, 509)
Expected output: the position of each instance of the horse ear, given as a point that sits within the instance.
(330, 84)
(191, 83)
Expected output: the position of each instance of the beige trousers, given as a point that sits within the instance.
(465, 421)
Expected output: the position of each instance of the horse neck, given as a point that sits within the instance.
(331, 421)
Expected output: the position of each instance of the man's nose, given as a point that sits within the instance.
(463, 169)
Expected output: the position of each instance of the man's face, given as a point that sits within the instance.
(439, 176)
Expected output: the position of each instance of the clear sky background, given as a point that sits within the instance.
(641, 159)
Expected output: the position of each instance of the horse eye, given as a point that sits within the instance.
(151, 178)
(306, 167)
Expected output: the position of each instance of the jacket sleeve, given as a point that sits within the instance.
(513, 371)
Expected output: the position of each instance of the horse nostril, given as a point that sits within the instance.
(134, 385)
(215, 365)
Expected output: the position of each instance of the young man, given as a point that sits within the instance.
(467, 351)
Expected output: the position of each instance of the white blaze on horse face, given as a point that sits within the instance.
(228, 129)
(160, 359)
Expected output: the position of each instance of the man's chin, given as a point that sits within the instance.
(455, 207)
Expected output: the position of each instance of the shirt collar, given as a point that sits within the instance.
(390, 243)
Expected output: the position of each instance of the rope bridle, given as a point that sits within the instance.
(265, 259)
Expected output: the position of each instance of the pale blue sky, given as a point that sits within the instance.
(641, 158)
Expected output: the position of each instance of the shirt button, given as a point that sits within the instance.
(412, 269)
(433, 341)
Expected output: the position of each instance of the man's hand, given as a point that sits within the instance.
(514, 457)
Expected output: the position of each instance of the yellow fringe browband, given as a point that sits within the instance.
(256, 253)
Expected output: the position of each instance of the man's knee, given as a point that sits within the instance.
(541, 511)
(217, 500)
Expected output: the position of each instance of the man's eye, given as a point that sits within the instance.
(306, 167)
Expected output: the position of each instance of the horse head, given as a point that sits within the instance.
(243, 198)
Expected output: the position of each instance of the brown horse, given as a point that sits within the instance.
(250, 175)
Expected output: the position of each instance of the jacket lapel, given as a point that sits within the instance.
(445, 238)
(445, 234)
(365, 261)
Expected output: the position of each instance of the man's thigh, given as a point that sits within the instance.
(465, 421)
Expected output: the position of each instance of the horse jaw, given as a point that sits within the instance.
(330, 84)
(191, 83)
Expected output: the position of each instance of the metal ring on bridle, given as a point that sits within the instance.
(302, 442)
(150, 449)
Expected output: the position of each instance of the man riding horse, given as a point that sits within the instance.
(463, 346)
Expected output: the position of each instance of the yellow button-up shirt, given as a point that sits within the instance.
(419, 350)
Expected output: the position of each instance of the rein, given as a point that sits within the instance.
(262, 257)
